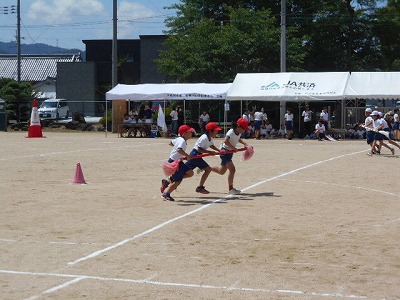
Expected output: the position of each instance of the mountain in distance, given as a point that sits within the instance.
(38, 48)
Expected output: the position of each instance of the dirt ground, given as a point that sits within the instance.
(315, 220)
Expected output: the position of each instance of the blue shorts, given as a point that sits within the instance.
(225, 158)
(289, 125)
(182, 169)
(396, 126)
(196, 162)
(370, 136)
(257, 124)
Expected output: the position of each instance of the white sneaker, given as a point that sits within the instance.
(234, 191)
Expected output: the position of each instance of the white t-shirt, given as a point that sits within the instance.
(289, 117)
(178, 143)
(233, 139)
(204, 118)
(258, 116)
(307, 115)
(203, 142)
(246, 117)
(174, 115)
(369, 123)
(324, 116)
(320, 128)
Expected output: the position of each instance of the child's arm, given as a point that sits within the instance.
(183, 153)
(243, 142)
(201, 150)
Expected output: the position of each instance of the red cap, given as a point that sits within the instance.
(184, 128)
(212, 126)
(243, 123)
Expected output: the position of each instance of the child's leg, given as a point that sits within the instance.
(219, 169)
(204, 177)
(188, 174)
(231, 175)
(172, 187)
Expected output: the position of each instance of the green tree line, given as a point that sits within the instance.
(213, 40)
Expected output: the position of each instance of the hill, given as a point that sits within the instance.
(38, 48)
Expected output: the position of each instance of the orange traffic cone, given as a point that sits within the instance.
(79, 179)
(35, 129)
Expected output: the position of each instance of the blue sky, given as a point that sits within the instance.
(65, 23)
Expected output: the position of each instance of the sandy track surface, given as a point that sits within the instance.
(315, 220)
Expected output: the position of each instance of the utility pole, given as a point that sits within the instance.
(282, 103)
(114, 46)
(19, 41)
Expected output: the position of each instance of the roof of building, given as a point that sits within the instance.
(34, 68)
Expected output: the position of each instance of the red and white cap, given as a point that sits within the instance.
(213, 126)
(185, 128)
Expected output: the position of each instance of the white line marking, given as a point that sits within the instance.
(5, 240)
(187, 285)
(75, 151)
(344, 185)
(72, 243)
(155, 228)
(59, 287)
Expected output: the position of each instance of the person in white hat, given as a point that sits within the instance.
(383, 134)
(369, 127)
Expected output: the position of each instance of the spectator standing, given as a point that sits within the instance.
(307, 117)
(289, 123)
(246, 116)
(174, 121)
(396, 125)
(181, 116)
(203, 120)
(148, 114)
(259, 117)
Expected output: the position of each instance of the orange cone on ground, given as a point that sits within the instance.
(79, 179)
(35, 129)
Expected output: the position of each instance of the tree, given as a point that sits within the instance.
(213, 39)
(387, 29)
(19, 97)
(213, 43)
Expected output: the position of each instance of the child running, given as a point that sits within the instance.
(177, 153)
(231, 139)
(205, 141)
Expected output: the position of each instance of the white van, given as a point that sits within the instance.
(54, 109)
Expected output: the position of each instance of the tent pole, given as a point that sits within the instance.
(184, 111)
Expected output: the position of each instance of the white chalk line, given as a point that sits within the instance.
(75, 151)
(300, 169)
(345, 186)
(121, 243)
(56, 288)
(233, 287)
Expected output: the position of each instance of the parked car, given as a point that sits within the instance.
(54, 109)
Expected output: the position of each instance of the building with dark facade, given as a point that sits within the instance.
(84, 85)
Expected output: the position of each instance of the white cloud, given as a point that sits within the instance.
(62, 11)
(129, 14)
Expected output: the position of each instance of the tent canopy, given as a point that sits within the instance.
(289, 86)
(169, 91)
(373, 85)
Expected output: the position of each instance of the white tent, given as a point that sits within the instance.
(289, 86)
(169, 91)
(373, 85)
